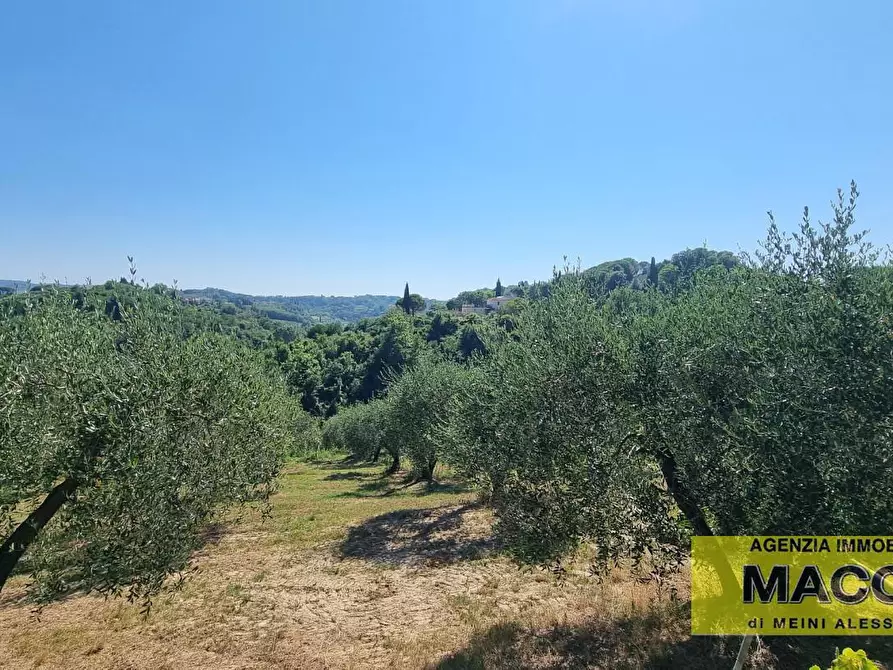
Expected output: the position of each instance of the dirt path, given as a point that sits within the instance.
(344, 577)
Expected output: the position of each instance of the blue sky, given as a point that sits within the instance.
(342, 147)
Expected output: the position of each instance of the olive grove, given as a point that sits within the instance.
(757, 398)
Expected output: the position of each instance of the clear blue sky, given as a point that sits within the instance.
(346, 147)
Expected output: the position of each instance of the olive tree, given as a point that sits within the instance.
(544, 424)
(417, 409)
(757, 401)
(357, 429)
(769, 391)
(120, 439)
(307, 433)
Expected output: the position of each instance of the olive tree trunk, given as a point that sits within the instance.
(26, 532)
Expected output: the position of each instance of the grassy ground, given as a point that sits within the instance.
(355, 572)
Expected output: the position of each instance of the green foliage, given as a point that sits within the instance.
(477, 298)
(333, 366)
(307, 431)
(304, 310)
(774, 395)
(411, 420)
(470, 340)
(752, 398)
(773, 387)
(443, 324)
(411, 303)
(150, 433)
(653, 277)
(357, 429)
(418, 408)
(404, 302)
(668, 277)
(690, 262)
(607, 277)
(398, 347)
(680, 271)
(850, 660)
(543, 427)
(327, 369)
(740, 400)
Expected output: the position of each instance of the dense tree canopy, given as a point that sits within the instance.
(122, 437)
(411, 303)
(478, 298)
(737, 399)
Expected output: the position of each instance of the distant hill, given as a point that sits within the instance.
(302, 309)
(14, 286)
(678, 270)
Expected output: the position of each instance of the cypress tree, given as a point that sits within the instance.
(498, 287)
(406, 301)
(652, 273)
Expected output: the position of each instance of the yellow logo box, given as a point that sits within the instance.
(792, 585)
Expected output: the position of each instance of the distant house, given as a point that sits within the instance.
(498, 302)
(493, 305)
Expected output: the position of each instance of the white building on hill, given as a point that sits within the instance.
(497, 302)
(493, 305)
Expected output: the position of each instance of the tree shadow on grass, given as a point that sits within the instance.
(637, 642)
(212, 533)
(207, 536)
(380, 486)
(343, 476)
(444, 487)
(345, 463)
(656, 639)
(430, 537)
(385, 486)
(24, 592)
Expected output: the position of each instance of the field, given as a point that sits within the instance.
(359, 571)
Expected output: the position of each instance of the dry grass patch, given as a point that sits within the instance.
(353, 571)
